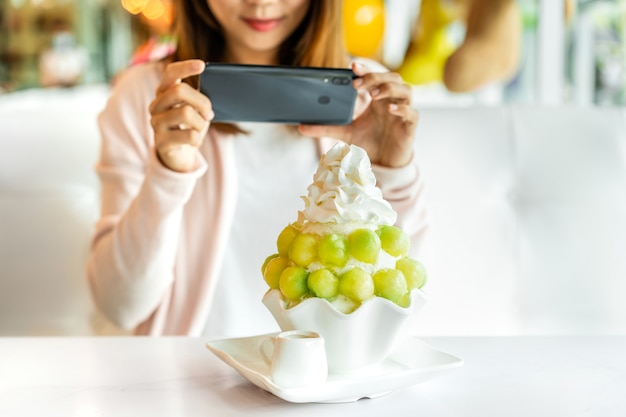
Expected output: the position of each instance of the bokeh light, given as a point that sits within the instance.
(150, 9)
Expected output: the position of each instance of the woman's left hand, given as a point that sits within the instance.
(386, 128)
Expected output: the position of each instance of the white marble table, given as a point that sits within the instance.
(132, 376)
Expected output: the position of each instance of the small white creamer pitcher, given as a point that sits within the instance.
(297, 358)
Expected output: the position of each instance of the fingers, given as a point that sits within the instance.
(182, 94)
(404, 111)
(182, 117)
(172, 93)
(177, 105)
(177, 137)
(385, 85)
(395, 92)
(177, 71)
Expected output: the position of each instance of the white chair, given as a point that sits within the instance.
(528, 220)
(49, 201)
(527, 217)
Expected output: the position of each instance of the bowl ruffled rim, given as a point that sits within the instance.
(418, 298)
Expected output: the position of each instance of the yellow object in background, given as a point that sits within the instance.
(424, 63)
(431, 47)
(364, 26)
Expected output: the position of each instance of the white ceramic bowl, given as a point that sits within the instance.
(353, 341)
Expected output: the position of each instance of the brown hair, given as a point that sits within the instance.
(316, 42)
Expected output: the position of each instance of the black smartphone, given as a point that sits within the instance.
(279, 94)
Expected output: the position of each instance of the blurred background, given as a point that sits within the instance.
(542, 116)
(572, 51)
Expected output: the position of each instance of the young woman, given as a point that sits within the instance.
(190, 208)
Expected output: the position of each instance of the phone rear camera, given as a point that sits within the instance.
(341, 81)
(323, 99)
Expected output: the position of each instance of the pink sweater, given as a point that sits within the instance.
(159, 243)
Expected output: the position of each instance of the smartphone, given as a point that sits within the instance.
(279, 94)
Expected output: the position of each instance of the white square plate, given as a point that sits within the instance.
(412, 362)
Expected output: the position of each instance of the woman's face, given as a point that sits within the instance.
(255, 29)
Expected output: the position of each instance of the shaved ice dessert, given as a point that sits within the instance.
(344, 246)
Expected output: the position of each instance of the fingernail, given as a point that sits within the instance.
(375, 92)
(393, 107)
(358, 82)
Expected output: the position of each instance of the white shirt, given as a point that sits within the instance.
(284, 162)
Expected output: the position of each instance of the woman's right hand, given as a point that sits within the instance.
(181, 116)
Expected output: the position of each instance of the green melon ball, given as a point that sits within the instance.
(413, 271)
(394, 241)
(303, 249)
(267, 261)
(333, 250)
(356, 284)
(390, 284)
(293, 282)
(364, 245)
(285, 238)
(273, 270)
(323, 283)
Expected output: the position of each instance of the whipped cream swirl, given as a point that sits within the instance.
(344, 190)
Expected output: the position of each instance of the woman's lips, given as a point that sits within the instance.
(262, 25)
